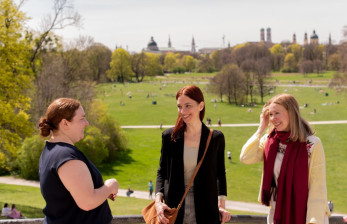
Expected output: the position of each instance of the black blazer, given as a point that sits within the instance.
(208, 183)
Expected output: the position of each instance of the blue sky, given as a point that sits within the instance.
(131, 23)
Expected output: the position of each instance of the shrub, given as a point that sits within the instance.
(29, 156)
(114, 139)
(93, 145)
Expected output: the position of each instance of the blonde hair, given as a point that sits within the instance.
(299, 127)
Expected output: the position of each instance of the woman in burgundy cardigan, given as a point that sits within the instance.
(182, 148)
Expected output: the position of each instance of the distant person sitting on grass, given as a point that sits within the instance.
(15, 214)
(5, 210)
(129, 192)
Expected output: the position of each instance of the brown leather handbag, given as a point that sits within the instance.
(149, 213)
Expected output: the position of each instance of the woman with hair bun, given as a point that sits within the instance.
(71, 185)
(182, 148)
(293, 180)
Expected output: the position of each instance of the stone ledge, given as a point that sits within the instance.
(130, 219)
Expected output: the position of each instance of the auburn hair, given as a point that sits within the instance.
(194, 93)
(62, 108)
(299, 127)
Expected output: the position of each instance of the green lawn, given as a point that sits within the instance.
(139, 109)
(314, 79)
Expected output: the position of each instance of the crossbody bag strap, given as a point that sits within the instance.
(196, 170)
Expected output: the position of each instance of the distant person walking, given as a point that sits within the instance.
(293, 180)
(219, 122)
(331, 206)
(71, 185)
(150, 188)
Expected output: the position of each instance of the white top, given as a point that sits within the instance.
(190, 158)
(5, 211)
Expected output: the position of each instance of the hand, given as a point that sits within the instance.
(224, 215)
(161, 207)
(112, 196)
(264, 119)
(112, 185)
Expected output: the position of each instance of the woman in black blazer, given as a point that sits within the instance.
(182, 148)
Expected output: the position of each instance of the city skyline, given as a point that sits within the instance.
(131, 23)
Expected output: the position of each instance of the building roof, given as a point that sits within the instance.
(152, 43)
(314, 35)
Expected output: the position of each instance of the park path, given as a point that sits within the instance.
(232, 205)
(232, 125)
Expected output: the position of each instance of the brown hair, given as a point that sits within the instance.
(194, 93)
(299, 127)
(62, 108)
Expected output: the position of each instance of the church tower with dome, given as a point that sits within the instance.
(152, 45)
(314, 38)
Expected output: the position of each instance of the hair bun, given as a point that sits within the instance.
(45, 127)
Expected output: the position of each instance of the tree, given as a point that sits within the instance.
(339, 81)
(205, 64)
(153, 65)
(235, 83)
(120, 66)
(313, 52)
(262, 69)
(334, 62)
(188, 63)
(318, 66)
(306, 67)
(63, 16)
(98, 58)
(170, 61)
(256, 60)
(290, 64)
(138, 65)
(221, 57)
(15, 81)
(62, 74)
(277, 55)
(247, 66)
(296, 50)
(217, 84)
(145, 64)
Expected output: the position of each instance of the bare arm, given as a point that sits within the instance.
(76, 178)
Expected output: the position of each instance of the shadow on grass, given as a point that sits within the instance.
(27, 211)
(122, 157)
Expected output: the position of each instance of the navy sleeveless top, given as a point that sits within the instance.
(60, 206)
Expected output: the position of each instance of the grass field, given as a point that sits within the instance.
(138, 164)
(314, 79)
(140, 110)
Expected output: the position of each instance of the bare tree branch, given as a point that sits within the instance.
(64, 15)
